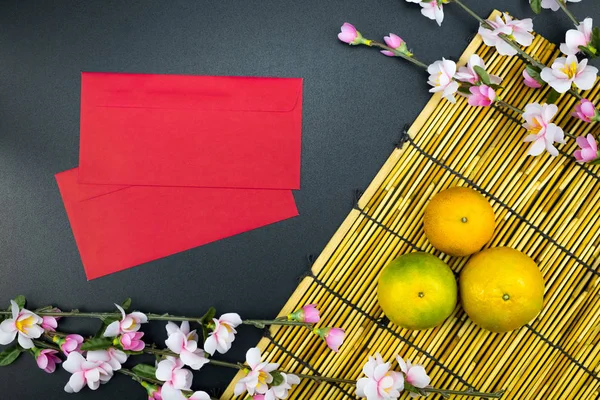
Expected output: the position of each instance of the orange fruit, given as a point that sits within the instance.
(501, 289)
(459, 221)
(417, 291)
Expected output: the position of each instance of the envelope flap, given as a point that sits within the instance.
(190, 92)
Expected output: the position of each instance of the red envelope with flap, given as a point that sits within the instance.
(203, 131)
(117, 227)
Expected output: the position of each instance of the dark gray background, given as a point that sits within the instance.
(355, 103)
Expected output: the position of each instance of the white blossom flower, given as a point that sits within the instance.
(184, 342)
(258, 377)
(441, 77)
(517, 30)
(24, 324)
(85, 372)
(582, 36)
(543, 133)
(568, 71)
(223, 334)
(380, 383)
(129, 323)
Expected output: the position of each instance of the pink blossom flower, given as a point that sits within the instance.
(71, 343)
(223, 334)
(171, 371)
(468, 74)
(395, 42)
(529, 81)
(433, 10)
(588, 149)
(50, 323)
(155, 393)
(441, 77)
(582, 36)
(350, 35)
(47, 360)
(132, 341)
(129, 323)
(334, 337)
(518, 30)
(184, 342)
(84, 372)
(258, 377)
(543, 133)
(113, 357)
(281, 391)
(380, 382)
(258, 397)
(482, 96)
(568, 71)
(415, 375)
(24, 324)
(308, 313)
(584, 110)
(553, 5)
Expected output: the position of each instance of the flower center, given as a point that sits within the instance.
(262, 377)
(570, 70)
(536, 127)
(22, 325)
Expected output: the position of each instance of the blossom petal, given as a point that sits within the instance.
(113, 329)
(14, 308)
(586, 79)
(25, 342)
(253, 357)
(402, 363)
(164, 370)
(210, 346)
(76, 382)
(417, 377)
(171, 328)
(232, 319)
(7, 336)
(175, 342)
(537, 147)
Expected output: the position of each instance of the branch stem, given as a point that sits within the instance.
(563, 6)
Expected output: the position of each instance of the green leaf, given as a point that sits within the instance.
(208, 317)
(126, 304)
(464, 89)
(42, 309)
(496, 87)
(553, 96)
(9, 355)
(205, 320)
(277, 378)
(20, 300)
(483, 75)
(536, 6)
(96, 344)
(587, 51)
(145, 371)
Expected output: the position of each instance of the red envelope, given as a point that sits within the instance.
(118, 227)
(176, 130)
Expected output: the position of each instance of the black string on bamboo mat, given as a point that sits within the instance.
(306, 365)
(568, 252)
(384, 324)
(563, 351)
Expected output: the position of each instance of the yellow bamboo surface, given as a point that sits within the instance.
(547, 207)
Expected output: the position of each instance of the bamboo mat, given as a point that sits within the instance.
(547, 207)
